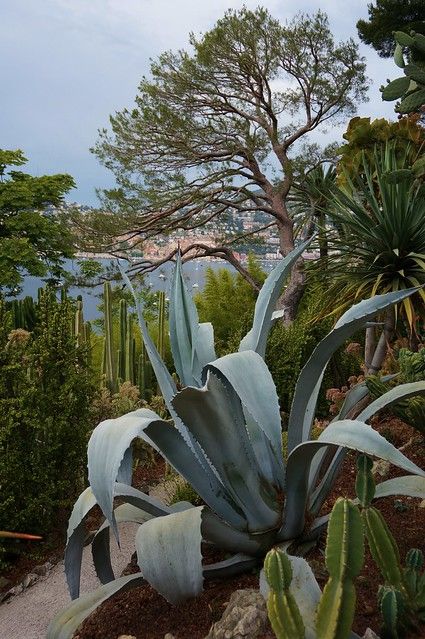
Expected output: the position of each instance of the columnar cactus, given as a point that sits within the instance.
(109, 364)
(283, 610)
(344, 560)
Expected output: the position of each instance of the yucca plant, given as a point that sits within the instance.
(226, 442)
(379, 241)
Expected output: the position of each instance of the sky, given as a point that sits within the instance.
(66, 65)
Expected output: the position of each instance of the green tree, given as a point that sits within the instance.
(33, 240)
(214, 133)
(386, 16)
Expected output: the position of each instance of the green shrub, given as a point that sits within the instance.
(183, 491)
(45, 396)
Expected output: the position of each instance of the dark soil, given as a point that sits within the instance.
(144, 614)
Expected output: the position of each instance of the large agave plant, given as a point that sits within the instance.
(226, 441)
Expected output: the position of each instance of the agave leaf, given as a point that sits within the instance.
(169, 554)
(175, 450)
(353, 397)
(216, 531)
(248, 375)
(100, 544)
(396, 394)
(351, 434)
(408, 485)
(319, 493)
(107, 446)
(163, 377)
(66, 622)
(228, 567)
(205, 346)
(76, 534)
(256, 338)
(305, 590)
(215, 417)
(310, 379)
(75, 540)
(191, 345)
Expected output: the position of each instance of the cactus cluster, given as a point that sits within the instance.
(24, 313)
(410, 88)
(123, 363)
(402, 596)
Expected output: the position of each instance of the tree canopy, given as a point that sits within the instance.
(386, 16)
(32, 239)
(215, 130)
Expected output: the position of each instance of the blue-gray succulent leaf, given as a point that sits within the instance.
(101, 541)
(214, 415)
(351, 434)
(247, 374)
(169, 554)
(66, 622)
(76, 527)
(106, 450)
(393, 396)
(165, 381)
(218, 532)
(207, 484)
(256, 338)
(309, 381)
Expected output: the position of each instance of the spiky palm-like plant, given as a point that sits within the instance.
(226, 441)
(378, 244)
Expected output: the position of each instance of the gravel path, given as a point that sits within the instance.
(26, 616)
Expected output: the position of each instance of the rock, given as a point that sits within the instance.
(244, 618)
(126, 637)
(16, 590)
(169, 636)
(369, 634)
(422, 504)
(29, 580)
(381, 468)
(4, 582)
(43, 569)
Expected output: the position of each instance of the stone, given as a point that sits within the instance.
(245, 617)
(29, 580)
(369, 634)
(381, 468)
(43, 569)
(126, 637)
(169, 636)
(16, 590)
(422, 504)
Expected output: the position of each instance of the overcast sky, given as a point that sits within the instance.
(66, 65)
